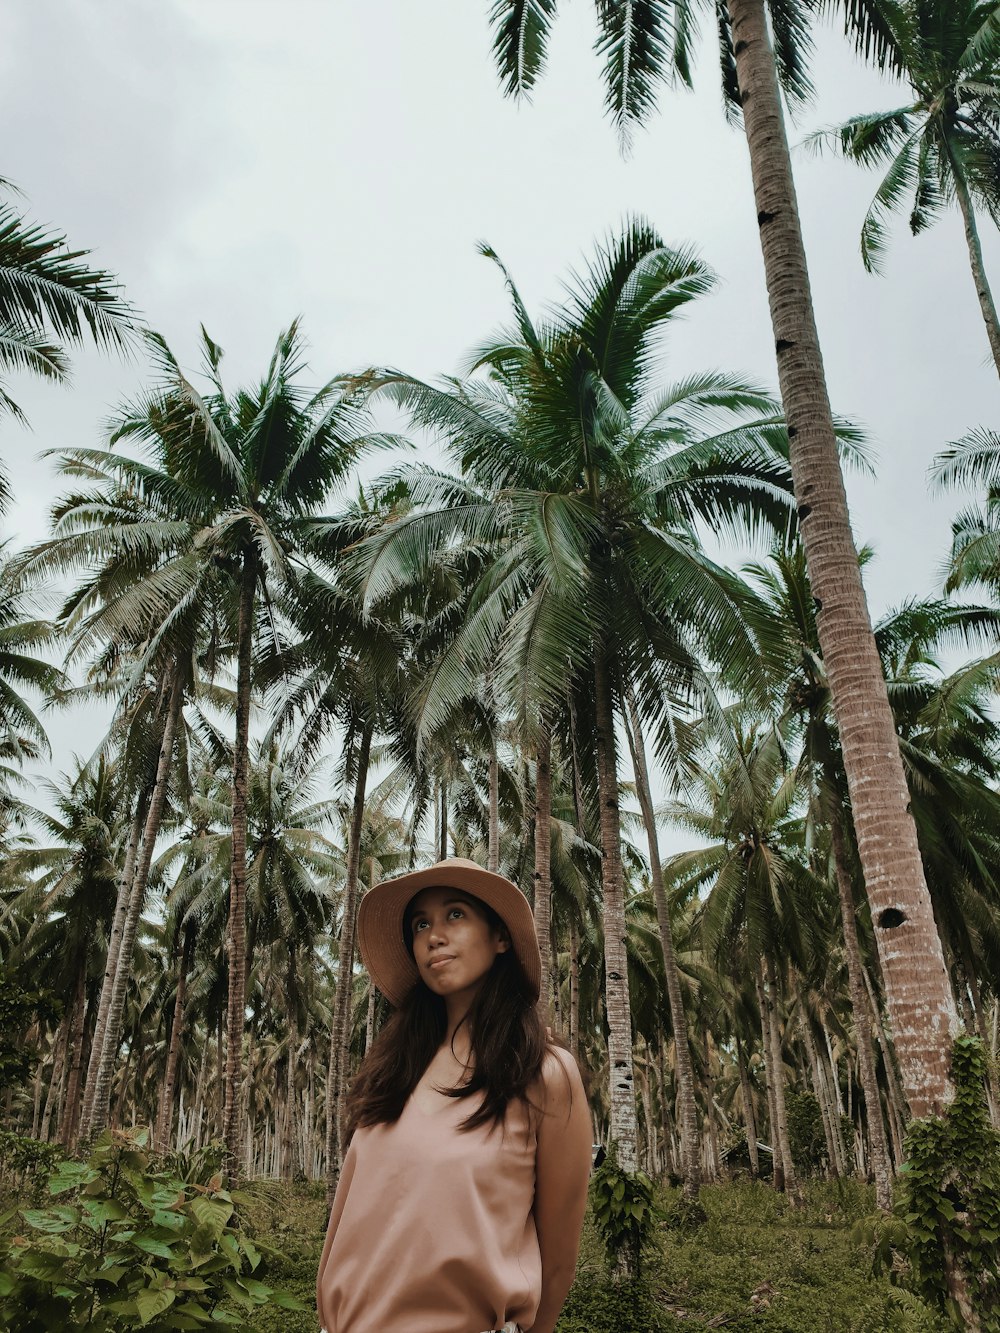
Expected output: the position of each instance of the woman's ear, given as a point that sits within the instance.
(503, 940)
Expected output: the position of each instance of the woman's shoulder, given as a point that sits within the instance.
(559, 1080)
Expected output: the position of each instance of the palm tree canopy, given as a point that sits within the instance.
(49, 296)
(949, 54)
(584, 478)
(646, 44)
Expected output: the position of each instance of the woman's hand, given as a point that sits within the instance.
(562, 1172)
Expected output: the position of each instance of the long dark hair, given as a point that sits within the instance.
(508, 1041)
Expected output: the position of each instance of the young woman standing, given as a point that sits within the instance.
(463, 1190)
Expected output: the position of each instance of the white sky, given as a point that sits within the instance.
(239, 162)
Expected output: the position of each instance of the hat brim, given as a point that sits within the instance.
(380, 923)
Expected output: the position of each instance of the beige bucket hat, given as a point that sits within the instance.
(380, 922)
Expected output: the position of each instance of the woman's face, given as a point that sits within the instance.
(454, 944)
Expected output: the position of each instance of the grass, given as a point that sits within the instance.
(755, 1264)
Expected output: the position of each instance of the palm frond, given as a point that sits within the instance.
(520, 36)
(635, 43)
(45, 285)
(25, 349)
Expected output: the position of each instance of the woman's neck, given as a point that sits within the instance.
(458, 1037)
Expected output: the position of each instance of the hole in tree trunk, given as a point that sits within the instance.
(891, 918)
(764, 216)
(804, 512)
(782, 345)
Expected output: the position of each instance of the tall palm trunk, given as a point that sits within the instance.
(715, 1157)
(778, 1065)
(443, 825)
(542, 880)
(124, 896)
(372, 994)
(340, 1032)
(979, 1025)
(917, 989)
(895, 1111)
(749, 1118)
(101, 1103)
(288, 1129)
(817, 1076)
(36, 1104)
(166, 1113)
(616, 988)
(777, 1166)
(75, 1041)
(784, 1165)
(877, 1147)
(986, 303)
(574, 987)
(59, 1054)
(493, 832)
(236, 930)
(687, 1107)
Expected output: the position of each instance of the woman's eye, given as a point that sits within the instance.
(456, 911)
(418, 926)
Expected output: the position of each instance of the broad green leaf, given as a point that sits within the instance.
(287, 1302)
(104, 1210)
(150, 1303)
(71, 1175)
(248, 1248)
(51, 1219)
(153, 1246)
(210, 1213)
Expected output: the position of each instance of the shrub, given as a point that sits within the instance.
(805, 1132)
(19, 1007)
(25, 1164)
(624, 1214)
(597, 1305)
(134, 1243)
(943, 1238)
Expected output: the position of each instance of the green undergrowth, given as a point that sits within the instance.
(292, 1221)
(756, 1264)
(759, 1263)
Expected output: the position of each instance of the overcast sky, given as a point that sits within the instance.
(240, 162)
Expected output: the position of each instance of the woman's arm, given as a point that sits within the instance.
(562, 1172)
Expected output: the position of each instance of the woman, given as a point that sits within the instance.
(462, 1193)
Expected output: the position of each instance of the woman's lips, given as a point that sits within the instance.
(441, 962)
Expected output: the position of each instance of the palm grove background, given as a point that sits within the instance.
(578, 641)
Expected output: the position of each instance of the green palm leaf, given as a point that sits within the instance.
(520, 35)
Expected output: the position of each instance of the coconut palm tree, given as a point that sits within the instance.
(765, 47)
(790, 648)
(760, 892)
(907, 639)
(22, 636)
(142, 648)
(584, 478)
(293, 866)
(70, 899)
(944, 146)
(50, 297)
(236, 483)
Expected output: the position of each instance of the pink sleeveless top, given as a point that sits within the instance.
(432, 1229)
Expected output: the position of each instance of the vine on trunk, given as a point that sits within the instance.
(625, 1215)
(946, 1223)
